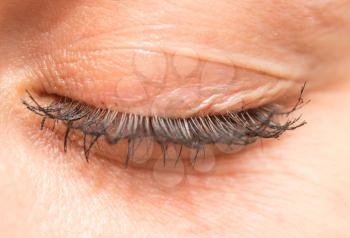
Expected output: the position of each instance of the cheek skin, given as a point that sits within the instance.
(269, 190)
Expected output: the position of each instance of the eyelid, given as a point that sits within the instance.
(236, 128)
(154, 83)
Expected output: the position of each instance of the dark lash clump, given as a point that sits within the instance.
(234, 128)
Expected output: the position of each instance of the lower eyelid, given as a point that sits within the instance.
(147, 153)
(215, 163)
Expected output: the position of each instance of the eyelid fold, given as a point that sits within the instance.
(157, 83)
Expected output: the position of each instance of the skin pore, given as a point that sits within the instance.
(148, 52)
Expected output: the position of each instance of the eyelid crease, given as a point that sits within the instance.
(238, 60)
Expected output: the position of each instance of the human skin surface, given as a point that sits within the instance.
(296, 186)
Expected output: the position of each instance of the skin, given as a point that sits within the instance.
(292, 187)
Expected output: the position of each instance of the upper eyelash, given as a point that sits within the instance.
(233, 128)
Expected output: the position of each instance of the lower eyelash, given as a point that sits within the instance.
(234, 128)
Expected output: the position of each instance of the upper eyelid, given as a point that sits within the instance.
(125, 87)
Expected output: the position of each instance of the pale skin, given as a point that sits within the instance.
(296, 186)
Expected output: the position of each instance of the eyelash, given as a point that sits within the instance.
(233, 128)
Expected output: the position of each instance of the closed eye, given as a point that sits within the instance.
(113, 102)
(232, 129)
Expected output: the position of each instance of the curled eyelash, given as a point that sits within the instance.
(243, 127)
